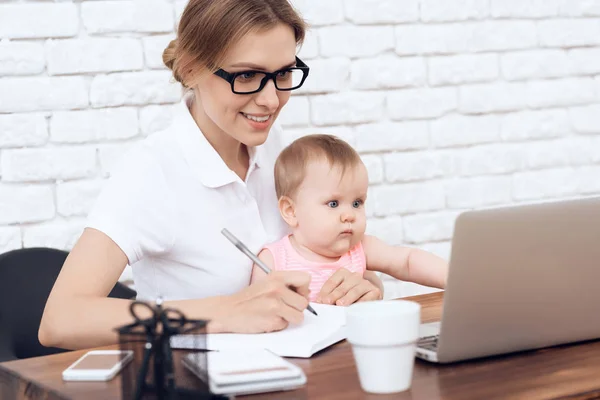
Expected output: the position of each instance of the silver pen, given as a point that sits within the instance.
(242, 247)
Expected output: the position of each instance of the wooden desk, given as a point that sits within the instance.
(569, 372)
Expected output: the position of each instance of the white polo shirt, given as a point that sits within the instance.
(167, 202)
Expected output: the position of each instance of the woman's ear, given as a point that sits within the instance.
(287, 209)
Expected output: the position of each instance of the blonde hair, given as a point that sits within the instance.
(209, 28)
(290, 166)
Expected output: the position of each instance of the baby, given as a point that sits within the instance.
(321, 184)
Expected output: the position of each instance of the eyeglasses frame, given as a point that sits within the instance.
(230, 77)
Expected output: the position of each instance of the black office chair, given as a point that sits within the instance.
(26, 278)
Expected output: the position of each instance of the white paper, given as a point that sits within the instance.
(314, 334)
(228, 367)
(239, 372)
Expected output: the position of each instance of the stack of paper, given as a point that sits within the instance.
(241, 372)
(314, 334)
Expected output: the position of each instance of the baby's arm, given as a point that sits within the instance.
(257, 273)
(405, 263)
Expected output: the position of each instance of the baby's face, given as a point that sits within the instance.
(330, 208)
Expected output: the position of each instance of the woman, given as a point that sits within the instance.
(163, 209)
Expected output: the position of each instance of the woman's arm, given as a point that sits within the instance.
(405, 263)
(79, 315)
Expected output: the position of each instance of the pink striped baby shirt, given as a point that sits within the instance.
(286, 258)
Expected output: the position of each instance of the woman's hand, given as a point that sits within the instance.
(344, 288)
(265, 306)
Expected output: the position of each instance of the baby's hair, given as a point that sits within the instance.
(290, 167)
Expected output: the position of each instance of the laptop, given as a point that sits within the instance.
(520, 278)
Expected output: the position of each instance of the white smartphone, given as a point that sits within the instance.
(98, 365)
(242, 372)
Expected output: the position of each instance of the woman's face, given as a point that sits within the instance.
(248, 117)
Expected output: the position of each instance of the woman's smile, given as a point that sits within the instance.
(257, 121)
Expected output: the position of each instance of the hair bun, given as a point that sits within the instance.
(168, 55)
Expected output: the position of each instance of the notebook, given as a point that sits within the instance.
(314, 334)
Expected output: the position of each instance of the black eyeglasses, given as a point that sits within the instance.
(248, 82)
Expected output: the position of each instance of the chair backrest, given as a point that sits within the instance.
(26, 279)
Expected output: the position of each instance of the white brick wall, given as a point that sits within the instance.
(453, 105)
(38, 20)
(93, 125)
(17, 58)
(76, 56)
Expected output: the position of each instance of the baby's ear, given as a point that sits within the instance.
(287, 209)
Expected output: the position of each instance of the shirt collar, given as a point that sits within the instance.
(199, 154)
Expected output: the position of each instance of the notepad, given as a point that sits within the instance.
(313, 335)
(240, 372)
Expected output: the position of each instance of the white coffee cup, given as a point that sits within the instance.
(383, 335)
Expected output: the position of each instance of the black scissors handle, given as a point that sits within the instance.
(148, 322)
(172, 320)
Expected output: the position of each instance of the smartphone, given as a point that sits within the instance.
(98, 365)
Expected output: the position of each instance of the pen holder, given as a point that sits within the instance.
(156, 371)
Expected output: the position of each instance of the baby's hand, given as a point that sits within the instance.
(344, 288)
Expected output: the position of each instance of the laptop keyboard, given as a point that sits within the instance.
(428, 342)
